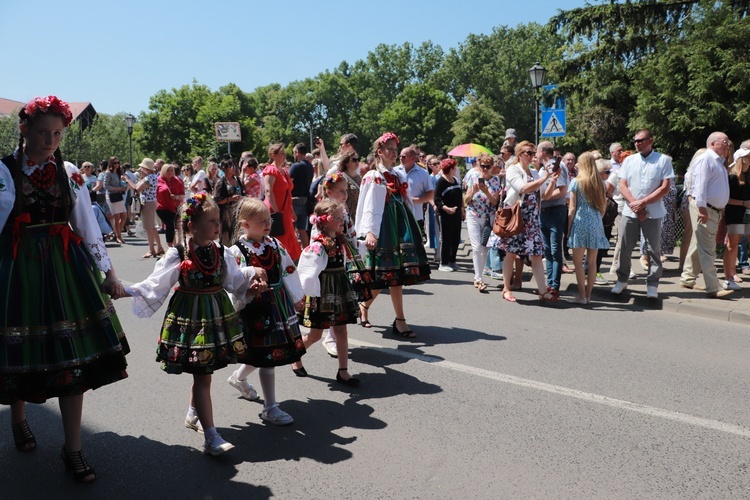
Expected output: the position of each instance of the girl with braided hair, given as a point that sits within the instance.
(59, 334)
(385, 221)
(201, 332)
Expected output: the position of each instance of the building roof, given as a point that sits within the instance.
(83, 110)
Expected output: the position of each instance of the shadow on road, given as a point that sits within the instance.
(127, 466)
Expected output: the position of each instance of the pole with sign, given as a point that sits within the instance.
(228, 132)
(554, 117)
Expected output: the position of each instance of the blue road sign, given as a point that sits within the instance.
(553, 123)
(553, 116)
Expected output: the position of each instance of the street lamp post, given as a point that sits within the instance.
(130, 121)
(537, 73)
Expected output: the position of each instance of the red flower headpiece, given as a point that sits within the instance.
(319, 220)
(193, 204)
(387, 137)
(43, 105)
(332, 179)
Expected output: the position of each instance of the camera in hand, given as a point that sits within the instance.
(481, 180)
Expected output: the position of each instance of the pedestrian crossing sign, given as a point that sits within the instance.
(553, 123)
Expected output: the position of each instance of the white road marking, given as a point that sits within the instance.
(652, 411)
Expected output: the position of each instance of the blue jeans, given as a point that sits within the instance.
(743, 252)
(553, 225)
(494, 261)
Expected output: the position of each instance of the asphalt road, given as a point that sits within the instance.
(493, 400)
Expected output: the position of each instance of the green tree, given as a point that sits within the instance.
(421, 114)
(479, 123)
(495, 69)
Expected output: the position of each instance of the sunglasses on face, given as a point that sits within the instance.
(638, 141)
(528, 153)
(486, 166)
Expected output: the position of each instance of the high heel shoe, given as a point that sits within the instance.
(300, 372)
(408, 334)
(23, 437)
(351, 381)
(76, 465)
(365, 323)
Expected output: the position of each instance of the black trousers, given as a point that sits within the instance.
(167, 217)
(450, 231)
(603, 251)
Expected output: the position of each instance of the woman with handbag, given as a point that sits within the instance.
(115, 196)
(483, 191)
(278, 186)
(523, 198)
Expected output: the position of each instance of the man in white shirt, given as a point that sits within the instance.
(709, 194)
(615, 153)
(420, 185)
(644, 181)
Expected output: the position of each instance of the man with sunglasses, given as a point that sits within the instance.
(644, 181)
(420, 184)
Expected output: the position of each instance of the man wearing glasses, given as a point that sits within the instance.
(420, 185)
(709, 194)
(644, 181)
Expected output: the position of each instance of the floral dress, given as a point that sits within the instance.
(529, 242)
(669, 224)
(384, 209)
(330, 298)
(201, 331)
(269, 321)
(587, 230)
(149, 194)
(59, 335)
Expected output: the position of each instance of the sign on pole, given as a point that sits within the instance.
(554, 116)
(227, 132)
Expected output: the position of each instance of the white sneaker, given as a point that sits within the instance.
(730, 285)
(619, 287)
(632, 275)
(193, 424)
(216, 446)
(445, 269)
(651, 292)
(331, 349)
(600, 280)
(246, 388)
(496, 276)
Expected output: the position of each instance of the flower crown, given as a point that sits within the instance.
(44, 104)
(193, 204)
(332, 179)
(387, 137)
(319, 220)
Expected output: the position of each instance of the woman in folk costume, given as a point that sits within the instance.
(385, 221)
(59, 334)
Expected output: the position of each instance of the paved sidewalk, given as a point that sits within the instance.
(672, 297)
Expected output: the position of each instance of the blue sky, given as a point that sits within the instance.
(118, 54)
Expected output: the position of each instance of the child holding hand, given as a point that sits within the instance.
(201, 331)
(269, 320)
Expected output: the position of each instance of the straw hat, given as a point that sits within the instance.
(148, 164)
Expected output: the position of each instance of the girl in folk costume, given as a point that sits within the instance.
(386, 223)
(269, 321)
(59, 335)
(201, 331)
(336, 187)
(331, 301)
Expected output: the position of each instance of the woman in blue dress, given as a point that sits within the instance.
(588, 201)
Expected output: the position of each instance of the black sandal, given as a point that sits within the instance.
(351, 381)
(22, 435)
(76, 465)
(408, 334)
(365, 323)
